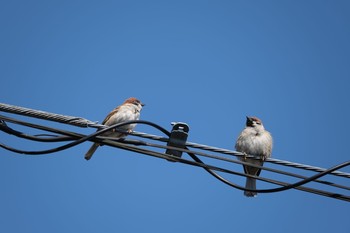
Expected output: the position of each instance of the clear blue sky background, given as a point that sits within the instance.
(206, 63)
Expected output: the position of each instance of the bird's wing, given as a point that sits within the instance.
(114, 111)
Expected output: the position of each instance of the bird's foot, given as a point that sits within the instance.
(245, 156)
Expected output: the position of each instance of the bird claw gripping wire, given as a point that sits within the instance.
(245, 156)
(178, 137)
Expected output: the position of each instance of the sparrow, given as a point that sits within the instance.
(128, 111)
(254, 140)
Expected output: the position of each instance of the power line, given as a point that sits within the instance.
(235, 153)
(82, 122)
(139, 147)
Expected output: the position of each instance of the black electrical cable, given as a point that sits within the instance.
(191, 154)
(199, 162)
(235, 153)
(83, 139)
(38, 138)
(245, 163)
(211, 167)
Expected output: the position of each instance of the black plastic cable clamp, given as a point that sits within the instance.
(178, 138)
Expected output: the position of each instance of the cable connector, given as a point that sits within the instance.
(178, 138)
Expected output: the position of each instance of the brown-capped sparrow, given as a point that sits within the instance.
(254, 140)
(128, 111)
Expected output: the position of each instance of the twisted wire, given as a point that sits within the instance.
(71, 120)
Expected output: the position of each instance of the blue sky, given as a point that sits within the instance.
(206, 63)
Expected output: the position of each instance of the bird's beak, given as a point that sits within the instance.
(249, 121)
(142, 104)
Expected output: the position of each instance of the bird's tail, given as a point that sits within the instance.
(250, 184)
(91, 151)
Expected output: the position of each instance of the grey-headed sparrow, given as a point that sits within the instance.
(254, 140)
(129, 110)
